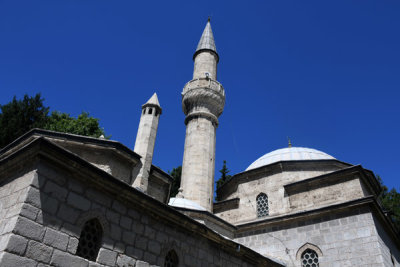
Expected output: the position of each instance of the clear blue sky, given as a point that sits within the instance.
(325, 73)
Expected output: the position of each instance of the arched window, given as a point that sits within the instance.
(262, 205)
(309, 258)
(171, 260)
(150, 110)
(90, 240)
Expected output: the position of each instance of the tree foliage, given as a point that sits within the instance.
(19, 116)
(176, 174)
(224, 178)
(83, 125)
(390, 201)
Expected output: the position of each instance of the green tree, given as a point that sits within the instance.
(83, 125)
(176, 173)
(19, 116)
(391, 203)
(224, 178)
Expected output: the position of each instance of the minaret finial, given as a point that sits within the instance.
(209, 18)
(289, 142)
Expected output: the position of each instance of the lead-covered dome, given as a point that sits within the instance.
(288, 154)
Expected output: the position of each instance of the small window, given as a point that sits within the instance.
(171, 260)
(144, 111)
(90, 240)
(156, 113)
(262, 205)
(150, 110)
(309, 258)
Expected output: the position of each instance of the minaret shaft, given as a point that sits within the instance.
(205, 62)
(145, 141)
(198, 165)
(203, 100)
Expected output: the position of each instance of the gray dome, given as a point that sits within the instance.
(287, 154)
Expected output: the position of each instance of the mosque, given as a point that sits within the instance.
(69, 200)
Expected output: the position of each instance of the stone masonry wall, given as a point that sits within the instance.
(12, 196)
(390, 251)
(326, 195)
(347, 239)
(57, 206)
(272, 186)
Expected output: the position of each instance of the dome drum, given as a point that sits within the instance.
(289, 154)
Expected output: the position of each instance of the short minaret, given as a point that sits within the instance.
(203, 100)
(145, 140)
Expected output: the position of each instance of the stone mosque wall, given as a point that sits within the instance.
(346, 239)
(55, 206)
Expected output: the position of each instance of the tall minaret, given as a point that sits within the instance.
(145, 139)
(203, 100)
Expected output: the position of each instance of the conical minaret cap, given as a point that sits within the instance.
(153, 101)
(206, 41)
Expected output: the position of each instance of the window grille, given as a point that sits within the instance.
(262, 205)
(309, 258)
(171, 260)
(90, 240)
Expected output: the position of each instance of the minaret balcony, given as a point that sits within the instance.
(204, 83)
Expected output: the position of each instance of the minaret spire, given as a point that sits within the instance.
(203, 100)
(207, 41)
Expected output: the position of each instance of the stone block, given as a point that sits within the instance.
(68, 214)
(134, 252)
(71, 230)
(29, 229)
(161, 237)
(75, 186)
(128, 237)
(77, 201)
(150, 257)
(134, 214)
(50, 205)
(126, 222)
(29, 211)
(141, 242)
(56, 239)
(142, 264)
(63, 259)
(107, 257)
(115, 232)
(117, 206)
(38, 251)
(12, 260)
(119, 247)
(113, 216)
(55, 190)
(138, 228)
(72, 245)
(16, 244)
(154, 247)
(149, 232)
(102, 199)
(13, 210)
(33, 197)
(125, 261)
(9, 224)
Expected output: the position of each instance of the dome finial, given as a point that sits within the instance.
(289, 142)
